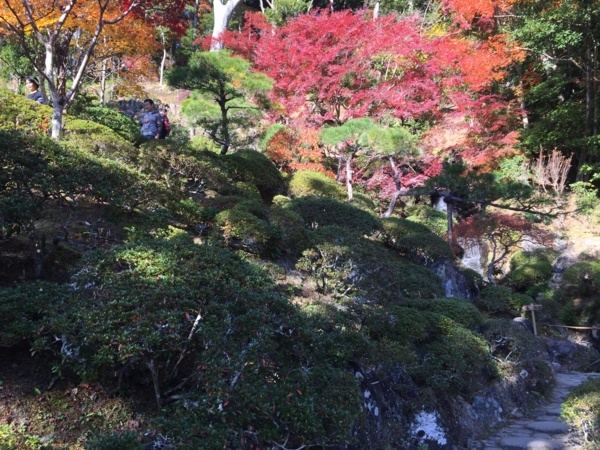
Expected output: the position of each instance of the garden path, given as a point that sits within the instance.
(543, 429)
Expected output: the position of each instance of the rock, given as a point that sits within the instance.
(570, 355)
(426, 429)
(523, 323)
(454, 281)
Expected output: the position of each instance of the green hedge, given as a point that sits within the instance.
(324, 211)
(310, 183)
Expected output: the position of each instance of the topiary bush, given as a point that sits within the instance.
(394, 227)
(437, 352)
(460, 310)
(97, 139)
(455, 361)
(323, 211)
(436, 221)
(120, 123)
(294, 236)
(245, 226)
(305, 183)
(424, 248)
(255, 168)
(343, 266)
(414, 240)
(21, 114)
(529, 271)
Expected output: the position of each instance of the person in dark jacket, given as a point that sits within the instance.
(34, 93)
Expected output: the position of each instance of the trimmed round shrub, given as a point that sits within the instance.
(310, 183)
(120, 123)
(500, 299)
(324, 211)
(281, 201)
(346, 267)
(455, 361)
(243, 230)
(294, 236)
(394, 227)
(460, 310)
(97, 139)
(414, 240)
(423, 247)
(529, 269)
(254, 167)
(436, 221)
(582, 279)
(21, 114)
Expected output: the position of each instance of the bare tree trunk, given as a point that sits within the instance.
(521, 96)
(349, 178)
(103, 83)
(163, 40)
(222, 12)
(450, 213)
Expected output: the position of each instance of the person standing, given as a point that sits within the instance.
(151, 123)
(166, 128)
(33, 85)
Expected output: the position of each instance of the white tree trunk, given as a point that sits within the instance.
(349, 174)
(103, 82)
(222, 12)
(57, 116)
(164, 59)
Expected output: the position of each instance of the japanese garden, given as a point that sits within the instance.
(369, 225)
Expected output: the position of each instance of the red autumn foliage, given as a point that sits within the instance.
(293, 150)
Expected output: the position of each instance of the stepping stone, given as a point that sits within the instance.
(550, 427)
(521, 443)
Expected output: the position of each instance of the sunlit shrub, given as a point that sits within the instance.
(98, 139)
(460, 310)
(310, 183)
(21, 114)
(120, 123)
(529, 269)
(242, 229)
(344, 266)
(581, 411)
(433, 219)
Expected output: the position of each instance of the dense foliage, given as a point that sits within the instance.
(274, 263)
